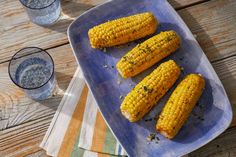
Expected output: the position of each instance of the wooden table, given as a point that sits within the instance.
(23, 122)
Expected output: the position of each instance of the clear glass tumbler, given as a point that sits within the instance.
(32, 69)
(43, 12)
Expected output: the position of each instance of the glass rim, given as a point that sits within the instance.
(36, 8)
(12, 58)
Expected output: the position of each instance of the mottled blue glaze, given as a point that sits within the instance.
(216, 108)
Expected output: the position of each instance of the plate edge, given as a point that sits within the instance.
(199, 47)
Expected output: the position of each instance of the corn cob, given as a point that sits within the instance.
(148, 53)
(122, 30)
(179, 105)
(144, 96)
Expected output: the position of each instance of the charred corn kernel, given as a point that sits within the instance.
(122, 30)
(145, 94)
(179, 105)
(148, 53)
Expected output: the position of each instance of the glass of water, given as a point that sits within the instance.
(32, 69)
(43, 12)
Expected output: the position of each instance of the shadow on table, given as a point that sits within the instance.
(70, 11)
(63, 81)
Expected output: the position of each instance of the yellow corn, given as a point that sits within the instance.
(179, 105)
(149, 52)
(146, 94)
(122, 30)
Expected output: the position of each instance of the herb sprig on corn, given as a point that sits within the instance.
(151, 89)
(149, 52)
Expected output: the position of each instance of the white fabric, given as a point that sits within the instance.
(89, 120)
(90, 154)
(55, 133)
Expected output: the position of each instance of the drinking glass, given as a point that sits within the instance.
(32, 69)
(42, 12)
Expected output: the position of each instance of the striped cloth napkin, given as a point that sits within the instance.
(78, 128)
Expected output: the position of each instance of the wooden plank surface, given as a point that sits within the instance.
(24, 122)
(222, 146)
(214, 24)
(17, 31)
(179, 4)
(226, 70)
(29, 34)
(40, 153)
(15, 108)
(25, 138)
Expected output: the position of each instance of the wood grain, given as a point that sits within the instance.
(40, 153)
(24, 122)
(15, 108)
(24, 139)
(178, 4)
(226, 70)
(17, 31)
(214, 24)
(222, 146)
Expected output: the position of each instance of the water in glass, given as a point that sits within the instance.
(43, 12)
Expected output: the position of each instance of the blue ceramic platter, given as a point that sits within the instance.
(213, 108)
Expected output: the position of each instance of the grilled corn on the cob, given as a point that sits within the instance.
(144, 96)
(148, 53)
(122, 30)
(179, 105)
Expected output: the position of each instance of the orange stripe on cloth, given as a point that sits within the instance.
(75, 124)
(103, 155)
(99, 133)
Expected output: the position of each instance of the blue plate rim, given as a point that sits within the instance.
(199, 47)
